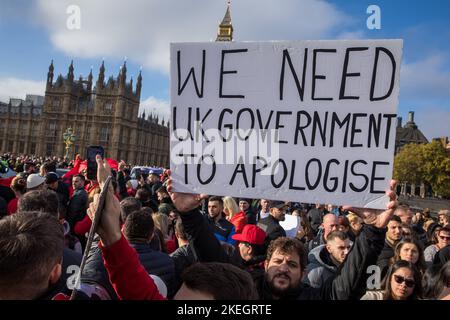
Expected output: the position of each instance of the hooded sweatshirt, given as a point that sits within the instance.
(320, 267)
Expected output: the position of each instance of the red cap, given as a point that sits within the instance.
(251, 234)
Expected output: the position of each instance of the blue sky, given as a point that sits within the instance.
(34, 32)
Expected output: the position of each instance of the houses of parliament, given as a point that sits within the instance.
(103, 113)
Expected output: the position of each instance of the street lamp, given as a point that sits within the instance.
(69, 138)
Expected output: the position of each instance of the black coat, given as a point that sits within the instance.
(272, 228)
(3, 207)
(77, 207)
(70, 258)
(349, 282)
(157, 263)
(442, 256)
(315, 217)
(183, 257)
(7, 193)
(121, 182)
(251, 215)
(63, 194)
(384, 258)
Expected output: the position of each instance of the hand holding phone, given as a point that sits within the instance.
(104, 212)
(92, 152)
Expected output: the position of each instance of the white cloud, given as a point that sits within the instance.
(143, 29)
(155, 106)
(351, 35)
(425, 79)
(19, 88)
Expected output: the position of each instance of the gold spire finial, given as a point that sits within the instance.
(225, 32)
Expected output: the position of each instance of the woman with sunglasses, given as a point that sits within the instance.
(442, 237)
(402, 282)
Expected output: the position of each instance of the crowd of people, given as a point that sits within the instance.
(154, 243)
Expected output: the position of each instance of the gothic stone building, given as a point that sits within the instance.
(106, 115)
(409, 133)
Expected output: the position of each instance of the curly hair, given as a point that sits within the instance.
(288, 245)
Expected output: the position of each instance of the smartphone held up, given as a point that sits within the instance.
(92, 152)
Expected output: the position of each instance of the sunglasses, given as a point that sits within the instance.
(444, 238)
(408, 282)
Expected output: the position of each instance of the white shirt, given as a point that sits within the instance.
(263, 214)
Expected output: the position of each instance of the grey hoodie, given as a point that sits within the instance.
(320, 267)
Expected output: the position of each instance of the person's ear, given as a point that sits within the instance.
(328, 246)
(55, 274)
(266, 265)
(250, 250)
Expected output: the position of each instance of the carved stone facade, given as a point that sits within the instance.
(106, 114)
(409, 133)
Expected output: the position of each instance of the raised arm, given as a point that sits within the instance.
(127, 275)
(351, 280)
(205, 244)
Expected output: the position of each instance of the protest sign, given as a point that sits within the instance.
(291, 225)
(304, 121)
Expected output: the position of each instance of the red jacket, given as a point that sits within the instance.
(83, 226)
(12, 206)
(128, 277)
(171, 246)
(239, 221)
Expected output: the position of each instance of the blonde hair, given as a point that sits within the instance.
(230, 204)
(427, 224)
(352, 217)
(161, 222)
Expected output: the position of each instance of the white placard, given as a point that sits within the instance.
(304, 121)
(291, 225)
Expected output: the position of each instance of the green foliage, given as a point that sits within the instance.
(408, 164)
(437, 168)
(427, 163)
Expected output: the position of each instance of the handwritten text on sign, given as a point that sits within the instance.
(306, 121)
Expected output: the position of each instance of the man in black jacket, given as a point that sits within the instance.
(62, 190)
(271, 225)
(138, 230)
(285, 260)
(245, 206)
(394, 235)
(184, 256)
(123, 175)
(78, 203)
(315, 216)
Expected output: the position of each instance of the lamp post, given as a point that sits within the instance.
(69, 138)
